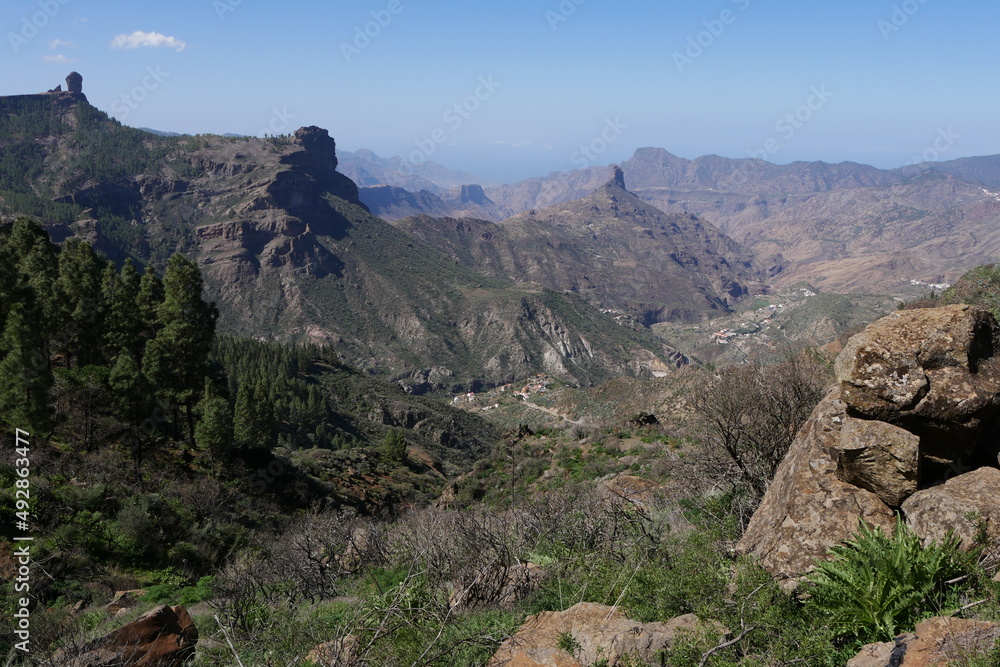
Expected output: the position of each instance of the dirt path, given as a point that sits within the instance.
(550, 411)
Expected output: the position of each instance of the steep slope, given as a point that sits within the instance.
(931, 227)
(290, 252)
(612, 249)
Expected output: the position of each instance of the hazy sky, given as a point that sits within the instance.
(516, 88)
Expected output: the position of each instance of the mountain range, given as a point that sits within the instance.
(471, 285)
(841, 227)
(289, 251)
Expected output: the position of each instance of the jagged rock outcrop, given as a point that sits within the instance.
(163, 637)
(936, 642)
(600, 632)
(474, 194)
(917, 392)
(879, 457)
(807, 508)
(931, 371)
(74, 82)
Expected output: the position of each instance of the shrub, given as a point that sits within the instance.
(877, 584)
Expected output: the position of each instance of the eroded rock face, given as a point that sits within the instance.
(879, 457)
(935, 642)
(933, 371)
(959, 505)
(74, 83)
(916, 402)
(601, 632)
(164, 637)
(807, 509)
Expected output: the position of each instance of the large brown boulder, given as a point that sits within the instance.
(936, 642)
(163, 637)
(959, 505)
(917, 394)
(807, 509)
(933, 371)
(880, 457)
(599, 632)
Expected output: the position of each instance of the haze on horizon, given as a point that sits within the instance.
(513, 90)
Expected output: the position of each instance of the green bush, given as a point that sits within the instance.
(876, 585)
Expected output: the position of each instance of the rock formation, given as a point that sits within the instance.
(917, 394)
(74, 83)
(936, 642)
(164, 637)
(601, 633)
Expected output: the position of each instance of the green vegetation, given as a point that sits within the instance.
(876, 585)
(978, 287)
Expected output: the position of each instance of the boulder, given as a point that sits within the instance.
(124, 600)
(807, 509)
(879, 457)
(164, 637)
(600, 633)
(958, 505)
(933, 371)
(935, 642)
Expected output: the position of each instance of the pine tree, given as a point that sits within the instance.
(214, 432)
(132, 400)
(37, 266)
(176, 360)
(148, 303)
(79, 291)
(244, 431)
(25, 377)
(123, 322)
(251, 417)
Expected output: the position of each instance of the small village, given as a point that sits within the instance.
(490, 400)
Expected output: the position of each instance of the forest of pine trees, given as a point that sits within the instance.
(91, 353)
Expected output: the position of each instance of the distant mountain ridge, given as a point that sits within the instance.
(841, 227)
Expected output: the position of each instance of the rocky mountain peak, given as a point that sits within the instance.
(618, 178)
(474, 194)
(318, 158)
(319, 144)
(74, 82)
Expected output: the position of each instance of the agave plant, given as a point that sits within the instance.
(874, 585)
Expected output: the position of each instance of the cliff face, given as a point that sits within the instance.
(289, 251)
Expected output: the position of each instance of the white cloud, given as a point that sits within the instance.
(58, 59)
(59, 44)
(150, 39)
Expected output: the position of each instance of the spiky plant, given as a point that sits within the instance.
(875, 584)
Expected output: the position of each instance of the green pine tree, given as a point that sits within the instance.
(25, 377)
(79, 291)
(132, 401)
(214, 431)
(123, 321)
(176, 360)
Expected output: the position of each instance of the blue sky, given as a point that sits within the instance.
(534, 81)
